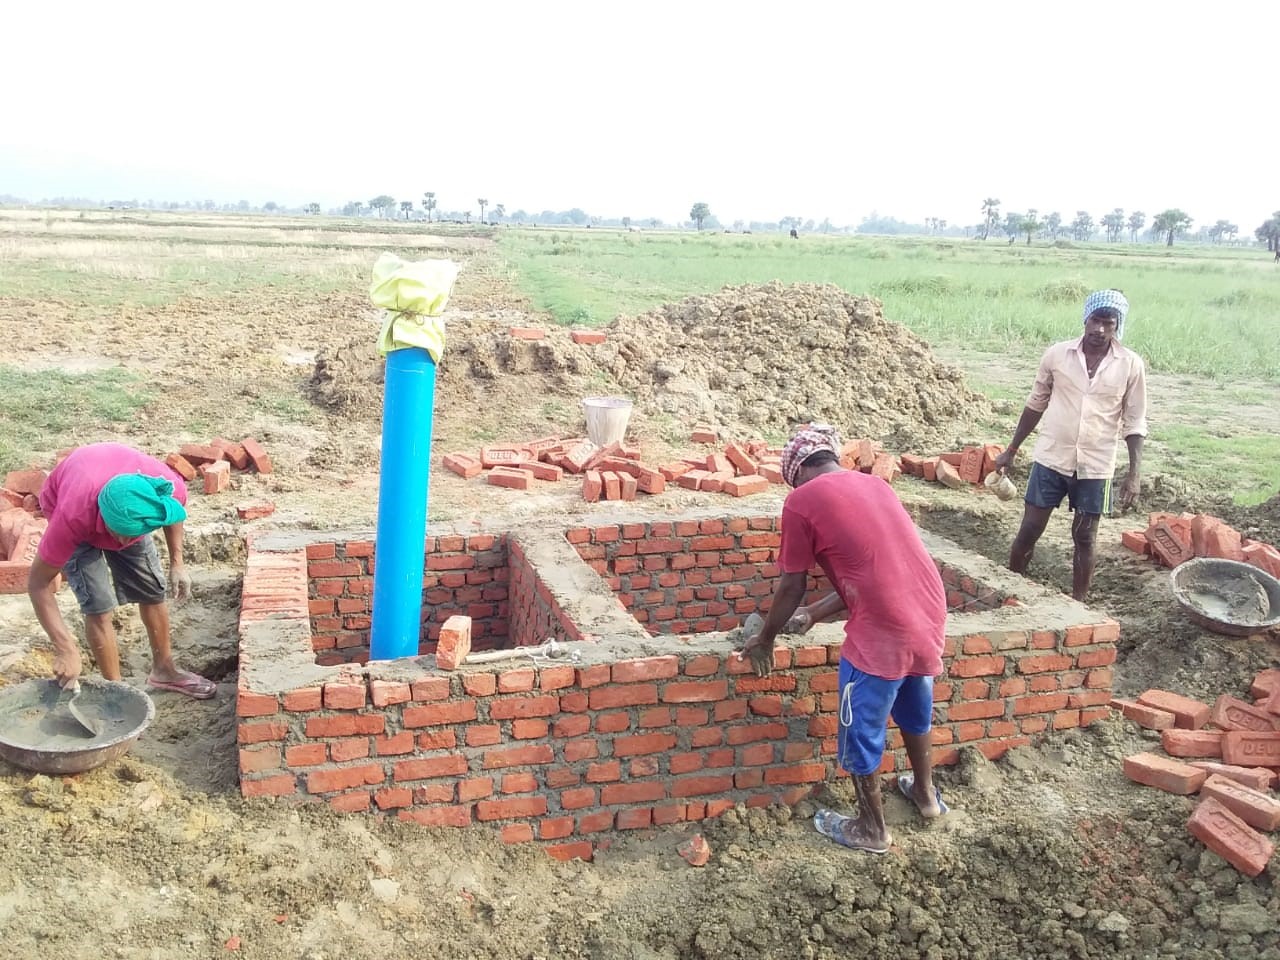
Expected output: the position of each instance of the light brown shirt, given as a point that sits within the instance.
(1084, 418)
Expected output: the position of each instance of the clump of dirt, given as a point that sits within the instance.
(751, 360)
(769, 356)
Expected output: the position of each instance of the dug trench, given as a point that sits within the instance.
(1048, 852)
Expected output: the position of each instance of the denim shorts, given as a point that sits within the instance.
(1046, 489)
(866, 703)
(102, 578)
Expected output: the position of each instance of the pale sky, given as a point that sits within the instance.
(762, 110)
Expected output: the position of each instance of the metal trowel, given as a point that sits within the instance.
(91, 726)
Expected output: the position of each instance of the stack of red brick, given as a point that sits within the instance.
(1174, 538)
(969, 467)
(1229, 754)
(614, 472)
(213, 461)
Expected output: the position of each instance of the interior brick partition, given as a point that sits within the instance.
(643, 729)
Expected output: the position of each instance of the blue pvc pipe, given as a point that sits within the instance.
(407, 412)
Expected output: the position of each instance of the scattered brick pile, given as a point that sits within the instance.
(1174, 538)
(616, 470)
(1228, 753)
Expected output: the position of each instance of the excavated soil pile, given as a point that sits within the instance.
(750, 360)
(769, 356)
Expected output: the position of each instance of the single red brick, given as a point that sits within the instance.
(527, 333)
(1263, 556)
(586, 336)
(1136, 540)
(544, 471)
(592, 486)
(1192, 743)
(1163, 773)
(970, 468)
(253, 509)
(703, 434)
(197, 454)
(1232, 714)
(1230, 837)
(1265, 684)
(515, 479)
(628, 486)
(1259, 778)
(217, 476)
(181, 466)
(1167, 546)
(281, 785)
(344, 696)
(745, 486)
(1149, 717)
(454, 643)
(1189, 714)
(257, 455)
(463, 464)
(929, 468)
(1248, 748)
(385, 693)
(612, 485)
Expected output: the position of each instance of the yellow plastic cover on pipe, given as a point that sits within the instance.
(413, 294)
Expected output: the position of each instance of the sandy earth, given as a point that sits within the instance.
(1049, 853)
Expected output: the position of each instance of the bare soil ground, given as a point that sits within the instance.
(1049, 853)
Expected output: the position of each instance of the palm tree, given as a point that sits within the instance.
(1171, 223)
(482, 204)
(990, 214)
(1030, 224)
(698, 213)
(1114, 223)
(405, 207)
(1137, 220)
(428, 204)
(499, 211)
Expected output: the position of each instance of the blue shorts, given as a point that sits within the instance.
(866, 703)
(1046, 488)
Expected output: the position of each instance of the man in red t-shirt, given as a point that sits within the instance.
(103, 502)
(853, 526)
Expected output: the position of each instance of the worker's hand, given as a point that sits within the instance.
(761, 654)
(800, 621)
(66, 667)
(179, 582)
(1129, 490)
(1004, 460)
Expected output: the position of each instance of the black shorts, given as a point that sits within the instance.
(1046, 489)
(135, 573)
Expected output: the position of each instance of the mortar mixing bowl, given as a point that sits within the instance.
(39, 736)
(1225, 596)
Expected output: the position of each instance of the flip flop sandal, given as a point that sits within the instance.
(831, 825)
(907, 783)
(190, 685)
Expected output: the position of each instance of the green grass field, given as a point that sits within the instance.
(1204, 311)
(1205, 319)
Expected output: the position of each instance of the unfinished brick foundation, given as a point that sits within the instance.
(655, 723)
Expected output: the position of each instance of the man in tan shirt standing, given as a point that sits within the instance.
(1088, 393)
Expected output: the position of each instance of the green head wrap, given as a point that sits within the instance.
(133, 504)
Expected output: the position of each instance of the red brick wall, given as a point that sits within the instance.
(535, 615)
(464, 575)
(698, 576)
(563, 753)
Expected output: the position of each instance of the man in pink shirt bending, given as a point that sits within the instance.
(1088, 393)
(103, 502)
(853, 526)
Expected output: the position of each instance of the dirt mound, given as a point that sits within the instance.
(769, 356)
(750, 360)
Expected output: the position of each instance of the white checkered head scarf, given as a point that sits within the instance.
(807, 442)
(1104, 299)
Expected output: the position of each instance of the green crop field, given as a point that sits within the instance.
(1206, 319)
(1212, 312)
